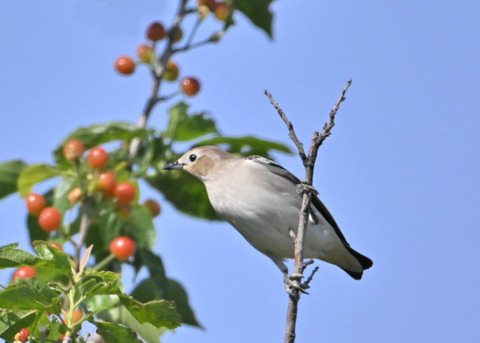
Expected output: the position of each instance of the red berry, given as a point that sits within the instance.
(73, 150)
(97, 157)
(153, 206)
(107, 182)
(50, 219)
(145, 53)
(122, 247)
(190, 86)
(156, 31)
(35, 203)
(125, 192)
(77, 316)
(56, 245)
(125, 65)
(171, 71)
(24, 273)
(22, 335)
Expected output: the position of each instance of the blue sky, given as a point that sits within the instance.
(399, 174)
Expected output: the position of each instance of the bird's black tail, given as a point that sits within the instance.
(364, 261)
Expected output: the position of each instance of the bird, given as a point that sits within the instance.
(261, 199)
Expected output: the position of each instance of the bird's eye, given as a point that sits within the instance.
(192, 157)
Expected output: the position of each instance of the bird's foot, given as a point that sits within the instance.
(303, 187)
(293, 284)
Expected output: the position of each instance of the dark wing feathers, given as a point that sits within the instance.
(279, 170)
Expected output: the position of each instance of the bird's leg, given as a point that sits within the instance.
(292, 282)
(303, 187)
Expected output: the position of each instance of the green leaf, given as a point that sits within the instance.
(60, 194)
(98, 134)
(247, 145)
(34, 174)
(35, 231)
(120, 315)
(157, 312)
(147, 258)
(114, 333)
(185, 192)
(12, 322)
(58, 262)
(9, 173)
(258, 12)
(11, 257)
(185, 127)
(100, 283)
(149, 289)
(140, 226)
(30, 294)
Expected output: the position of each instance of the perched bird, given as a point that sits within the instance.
(260, 199)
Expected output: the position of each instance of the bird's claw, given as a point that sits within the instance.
(293, 284)
(303, 187)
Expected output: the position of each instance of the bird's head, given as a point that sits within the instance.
(201, 161)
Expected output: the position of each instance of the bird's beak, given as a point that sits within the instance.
(174, 165)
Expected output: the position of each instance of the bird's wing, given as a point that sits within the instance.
(279, 170)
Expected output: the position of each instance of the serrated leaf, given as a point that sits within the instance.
(157, 312)
(120, 315)
(57, 260)
(9, 173)
(185, 192)
(11, 257)
(149, 289)
(98, 134)
(11, 322)
(114, 333)
(258, 12)
(104, 283)
(34, 174)
(29, 294)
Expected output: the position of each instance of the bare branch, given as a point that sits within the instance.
(308, 193)
(291, 131)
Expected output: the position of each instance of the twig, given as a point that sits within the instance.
(158, 76)
(291, 131)
(308, 193)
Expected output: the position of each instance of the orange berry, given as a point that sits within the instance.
(122, 247)
(125, 192)
(107, 182)
(35, 203)
(50, 219)
(156, 31)
(153, 206)
(210, 4)
(24, 273)
(74, 195)
(190, 86)
(125, 65)
(77, 316)
(145, 53)
(56, 245)
(97, 158)
(222, 10)
(171, 71)
(73, 150)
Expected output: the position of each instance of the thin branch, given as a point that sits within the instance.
(308, 193)
(291, 131)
